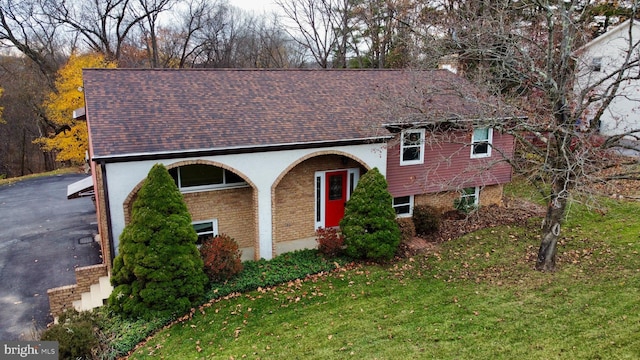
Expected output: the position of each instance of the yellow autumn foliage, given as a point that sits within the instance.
(72, 142)
(71, 145)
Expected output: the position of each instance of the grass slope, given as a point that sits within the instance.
(477, 297)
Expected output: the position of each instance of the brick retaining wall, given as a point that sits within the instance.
(62, 298)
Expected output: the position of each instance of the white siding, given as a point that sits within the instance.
(261, 168)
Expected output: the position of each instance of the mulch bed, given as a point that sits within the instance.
(455, 224)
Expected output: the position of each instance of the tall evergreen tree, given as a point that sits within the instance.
(158, 270)
(369, 227)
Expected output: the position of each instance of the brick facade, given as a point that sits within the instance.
(294, 197)
(62, 298)
(101, 212)
(234, 209)
(491, 195)
(444, 201)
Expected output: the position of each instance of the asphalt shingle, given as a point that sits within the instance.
(145, 111)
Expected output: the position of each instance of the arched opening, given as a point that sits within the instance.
(302, 193)
(219, 199)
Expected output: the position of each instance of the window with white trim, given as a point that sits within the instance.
(202, 177)
(403, 205)
(412, 147)
(481, 142)
(596, 63)
(469, 199)
(205, 229)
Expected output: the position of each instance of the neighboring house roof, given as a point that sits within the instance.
(620, 30)
(179, 112)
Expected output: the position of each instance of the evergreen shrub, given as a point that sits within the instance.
(368, 226)
(221, 257)
(158, 271)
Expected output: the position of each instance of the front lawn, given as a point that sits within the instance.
(476, 297)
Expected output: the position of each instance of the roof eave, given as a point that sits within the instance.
(395, 127)
(235, 150)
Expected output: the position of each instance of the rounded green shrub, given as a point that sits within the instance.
(221, 256)
(158, 271)
(369, 227)
(426, 219)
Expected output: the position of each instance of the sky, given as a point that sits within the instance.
(258, 6)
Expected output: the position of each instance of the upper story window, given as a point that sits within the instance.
(481, 142)
(596, 63)
(412, 147)
(203, 177)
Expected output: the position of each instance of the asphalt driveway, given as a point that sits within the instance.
(43, 238)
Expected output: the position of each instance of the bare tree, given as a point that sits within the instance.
(382, 26)
(103, 25)
(24, 90)
(25, 26)
(263, 44)
(526, 52)
(149, 11)
(26, 29)
(182, 41)
(313, 27)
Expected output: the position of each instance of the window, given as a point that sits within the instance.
(200, 177)
(205, 229)
(403, 205)
(468, 200)
(596, 64)
(412, 147)
(481, 142)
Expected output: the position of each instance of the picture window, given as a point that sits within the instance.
(202, 177)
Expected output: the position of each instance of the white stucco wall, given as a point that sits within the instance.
(623, 114)
(261, 168)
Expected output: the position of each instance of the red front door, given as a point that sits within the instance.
(336, 197)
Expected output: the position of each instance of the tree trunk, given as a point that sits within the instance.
(546, 260)
(49, 160)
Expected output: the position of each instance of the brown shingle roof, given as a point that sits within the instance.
(173, 111)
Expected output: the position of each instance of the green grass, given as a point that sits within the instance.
(477, 297)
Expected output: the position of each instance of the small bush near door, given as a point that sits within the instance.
(221, 257)
(330, 241)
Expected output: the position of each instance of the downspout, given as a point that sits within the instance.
(103, 169)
